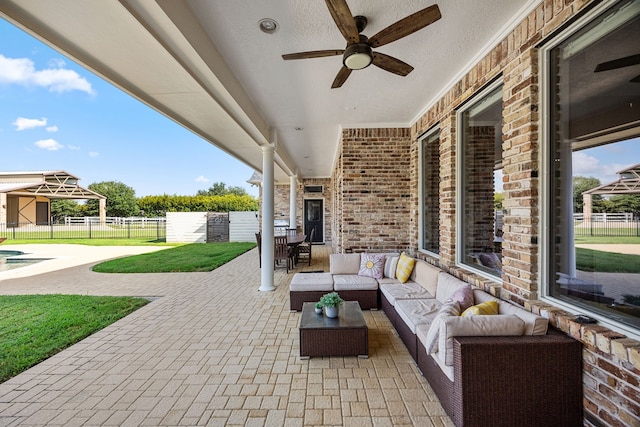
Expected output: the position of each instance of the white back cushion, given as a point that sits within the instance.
(533, 324)
(447, 285)
(426, 275)
(344, 263)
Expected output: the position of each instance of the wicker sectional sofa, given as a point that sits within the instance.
(505, 369)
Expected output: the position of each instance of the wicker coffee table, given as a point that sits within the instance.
(346, 335)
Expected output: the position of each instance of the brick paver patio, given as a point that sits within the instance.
(212, 350)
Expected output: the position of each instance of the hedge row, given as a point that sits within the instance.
(159, 205)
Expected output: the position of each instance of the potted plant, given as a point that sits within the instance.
(330, 302)
(318, 308)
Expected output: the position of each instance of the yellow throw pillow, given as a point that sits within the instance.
(405, 267)
(486, 308)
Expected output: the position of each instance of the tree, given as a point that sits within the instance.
(221, 189)
(64, 207)
(580, 185)
(498, 199)
(121, 199)
(629, 203)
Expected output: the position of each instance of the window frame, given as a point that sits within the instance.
(472, 101)
(545, 159)
(421, 205)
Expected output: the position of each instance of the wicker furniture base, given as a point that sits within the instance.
(388, 309)
(408, 338)
(346, 335)
(297, 298)
(368, 300)
(510, 381)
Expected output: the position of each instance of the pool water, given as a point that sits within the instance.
(11, 264)
(6, 254)
(7, 262)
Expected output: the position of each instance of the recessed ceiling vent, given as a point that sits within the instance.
(313, 189)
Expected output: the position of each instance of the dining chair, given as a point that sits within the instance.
(259, 241)
(304, 249)
(281, 251)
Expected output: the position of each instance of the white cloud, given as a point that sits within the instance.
(48, 144)
(22, 71)
(202, 179)
(23, 123)
(585, 165)
(590, 166)
(52, 129)
(73, 147)
(93, 154)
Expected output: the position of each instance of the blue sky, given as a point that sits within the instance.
(55, 115)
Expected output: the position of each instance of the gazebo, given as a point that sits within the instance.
(25, 197)
(627, 183)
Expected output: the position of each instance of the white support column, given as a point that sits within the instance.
(267, 250)
(102, 203)
(3, 208)
(292, 201)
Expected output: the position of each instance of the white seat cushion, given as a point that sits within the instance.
(409, 290)
(417, 311)
(311, 282)
(353, 282)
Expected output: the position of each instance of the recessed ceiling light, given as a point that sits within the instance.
(268, 25)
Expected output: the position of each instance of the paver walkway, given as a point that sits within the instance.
(211, 350)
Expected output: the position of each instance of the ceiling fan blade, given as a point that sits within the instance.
(391, 64)
(313, 54)
(406, 26)
(341, 77)
(636, 79)
(618, 63)
(344, 20)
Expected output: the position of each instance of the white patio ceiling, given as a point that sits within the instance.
(207, 65)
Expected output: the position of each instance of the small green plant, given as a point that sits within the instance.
(318, 305)
(331, 300)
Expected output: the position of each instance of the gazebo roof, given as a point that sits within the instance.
(53, 184)
(628, 183)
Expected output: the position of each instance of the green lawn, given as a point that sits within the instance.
(607, 262)
(92, 242)
(35, 327)
(187, 258)
(607, 240)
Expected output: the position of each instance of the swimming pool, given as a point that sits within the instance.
(6, 254)
(7, 262)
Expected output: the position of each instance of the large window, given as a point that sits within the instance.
(430, 192)
(480, 178)
(591, 251)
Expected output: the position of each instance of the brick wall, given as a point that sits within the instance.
(374, 190)
(611, 361)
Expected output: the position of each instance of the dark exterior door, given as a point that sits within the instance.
(314, 219)
(42, 213)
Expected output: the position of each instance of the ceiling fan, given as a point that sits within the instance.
(626, 61)
(359, 51)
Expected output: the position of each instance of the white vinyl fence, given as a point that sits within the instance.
(186, 227)
(191, 227)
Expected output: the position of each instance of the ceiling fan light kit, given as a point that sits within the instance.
(359, 51)
(357, 56)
